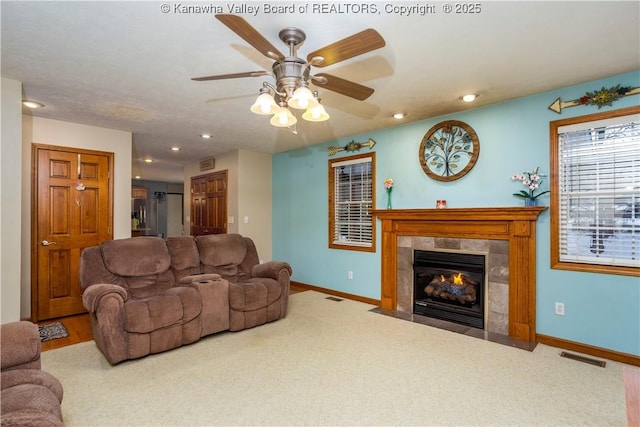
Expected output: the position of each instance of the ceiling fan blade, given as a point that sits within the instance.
(241, 27)
(357, 44)
(231, 76)
(342, 86)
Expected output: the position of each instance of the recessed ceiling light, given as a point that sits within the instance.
(470, 97)
(148, 160)
(175, 148)
(399, 115)
(32, 104)
(205, 135)
(137, 177)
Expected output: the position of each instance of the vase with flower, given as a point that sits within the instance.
(388, 185)
(532, 180)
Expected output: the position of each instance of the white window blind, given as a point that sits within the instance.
(599, 192)
(352, 198)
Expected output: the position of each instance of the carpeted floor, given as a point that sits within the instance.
(335, 363)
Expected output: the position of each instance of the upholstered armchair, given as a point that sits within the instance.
(30, 396)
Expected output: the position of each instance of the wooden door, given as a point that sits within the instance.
(209, 204)
(73, 210)
(198, 205)
(217, 202)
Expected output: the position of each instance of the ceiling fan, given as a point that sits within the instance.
(293, 74)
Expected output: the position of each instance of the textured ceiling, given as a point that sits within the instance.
(127, 65)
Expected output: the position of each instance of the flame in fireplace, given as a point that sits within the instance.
(457, 279)
(442, 279)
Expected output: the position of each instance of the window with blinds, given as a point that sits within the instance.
(351, 188)
(597, 200)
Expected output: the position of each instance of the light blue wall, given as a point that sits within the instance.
(601, 310)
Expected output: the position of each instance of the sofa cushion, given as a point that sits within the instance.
(31, 398)
(20, 347)
(221, 250)
(31, 418)
(184, 252)
(149, 286)
(137, 256)
(174, 307)
(254, 294)
(37, 377)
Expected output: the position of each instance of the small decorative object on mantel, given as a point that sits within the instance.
(532, 180)
(441, 204)
(352, 146)
(449, 150)
(600, 98)
(388, 185)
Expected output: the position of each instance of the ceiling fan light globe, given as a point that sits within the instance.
(264, 105)
(283, 118)
(316, 114)
(302, 99)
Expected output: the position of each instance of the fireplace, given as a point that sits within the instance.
(450, 286)
(515, 226)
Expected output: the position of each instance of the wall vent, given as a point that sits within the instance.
(207, 164)
(588, 360)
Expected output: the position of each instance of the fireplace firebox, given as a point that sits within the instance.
(449, 286)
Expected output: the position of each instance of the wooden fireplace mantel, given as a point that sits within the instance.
(515, 224)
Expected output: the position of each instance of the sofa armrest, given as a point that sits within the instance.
(20, 346)
(271, 269)
(198, 277)
(94, 293)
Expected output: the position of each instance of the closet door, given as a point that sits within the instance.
(209, 204)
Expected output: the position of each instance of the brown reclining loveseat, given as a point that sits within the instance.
(147, 295)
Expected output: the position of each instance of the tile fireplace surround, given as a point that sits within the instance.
(508, 237)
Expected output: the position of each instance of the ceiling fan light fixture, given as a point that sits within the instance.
(302, 98)
(316, 114)
(265, 104)
(292, 73)
(283, 118)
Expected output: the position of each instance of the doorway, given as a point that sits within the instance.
(175, 214)
(72, 210)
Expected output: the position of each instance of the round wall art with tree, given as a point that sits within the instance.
(449, 150)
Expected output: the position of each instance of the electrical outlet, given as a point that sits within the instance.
(560, 308)
(350, 275)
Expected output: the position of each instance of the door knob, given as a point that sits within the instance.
(47, 243)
